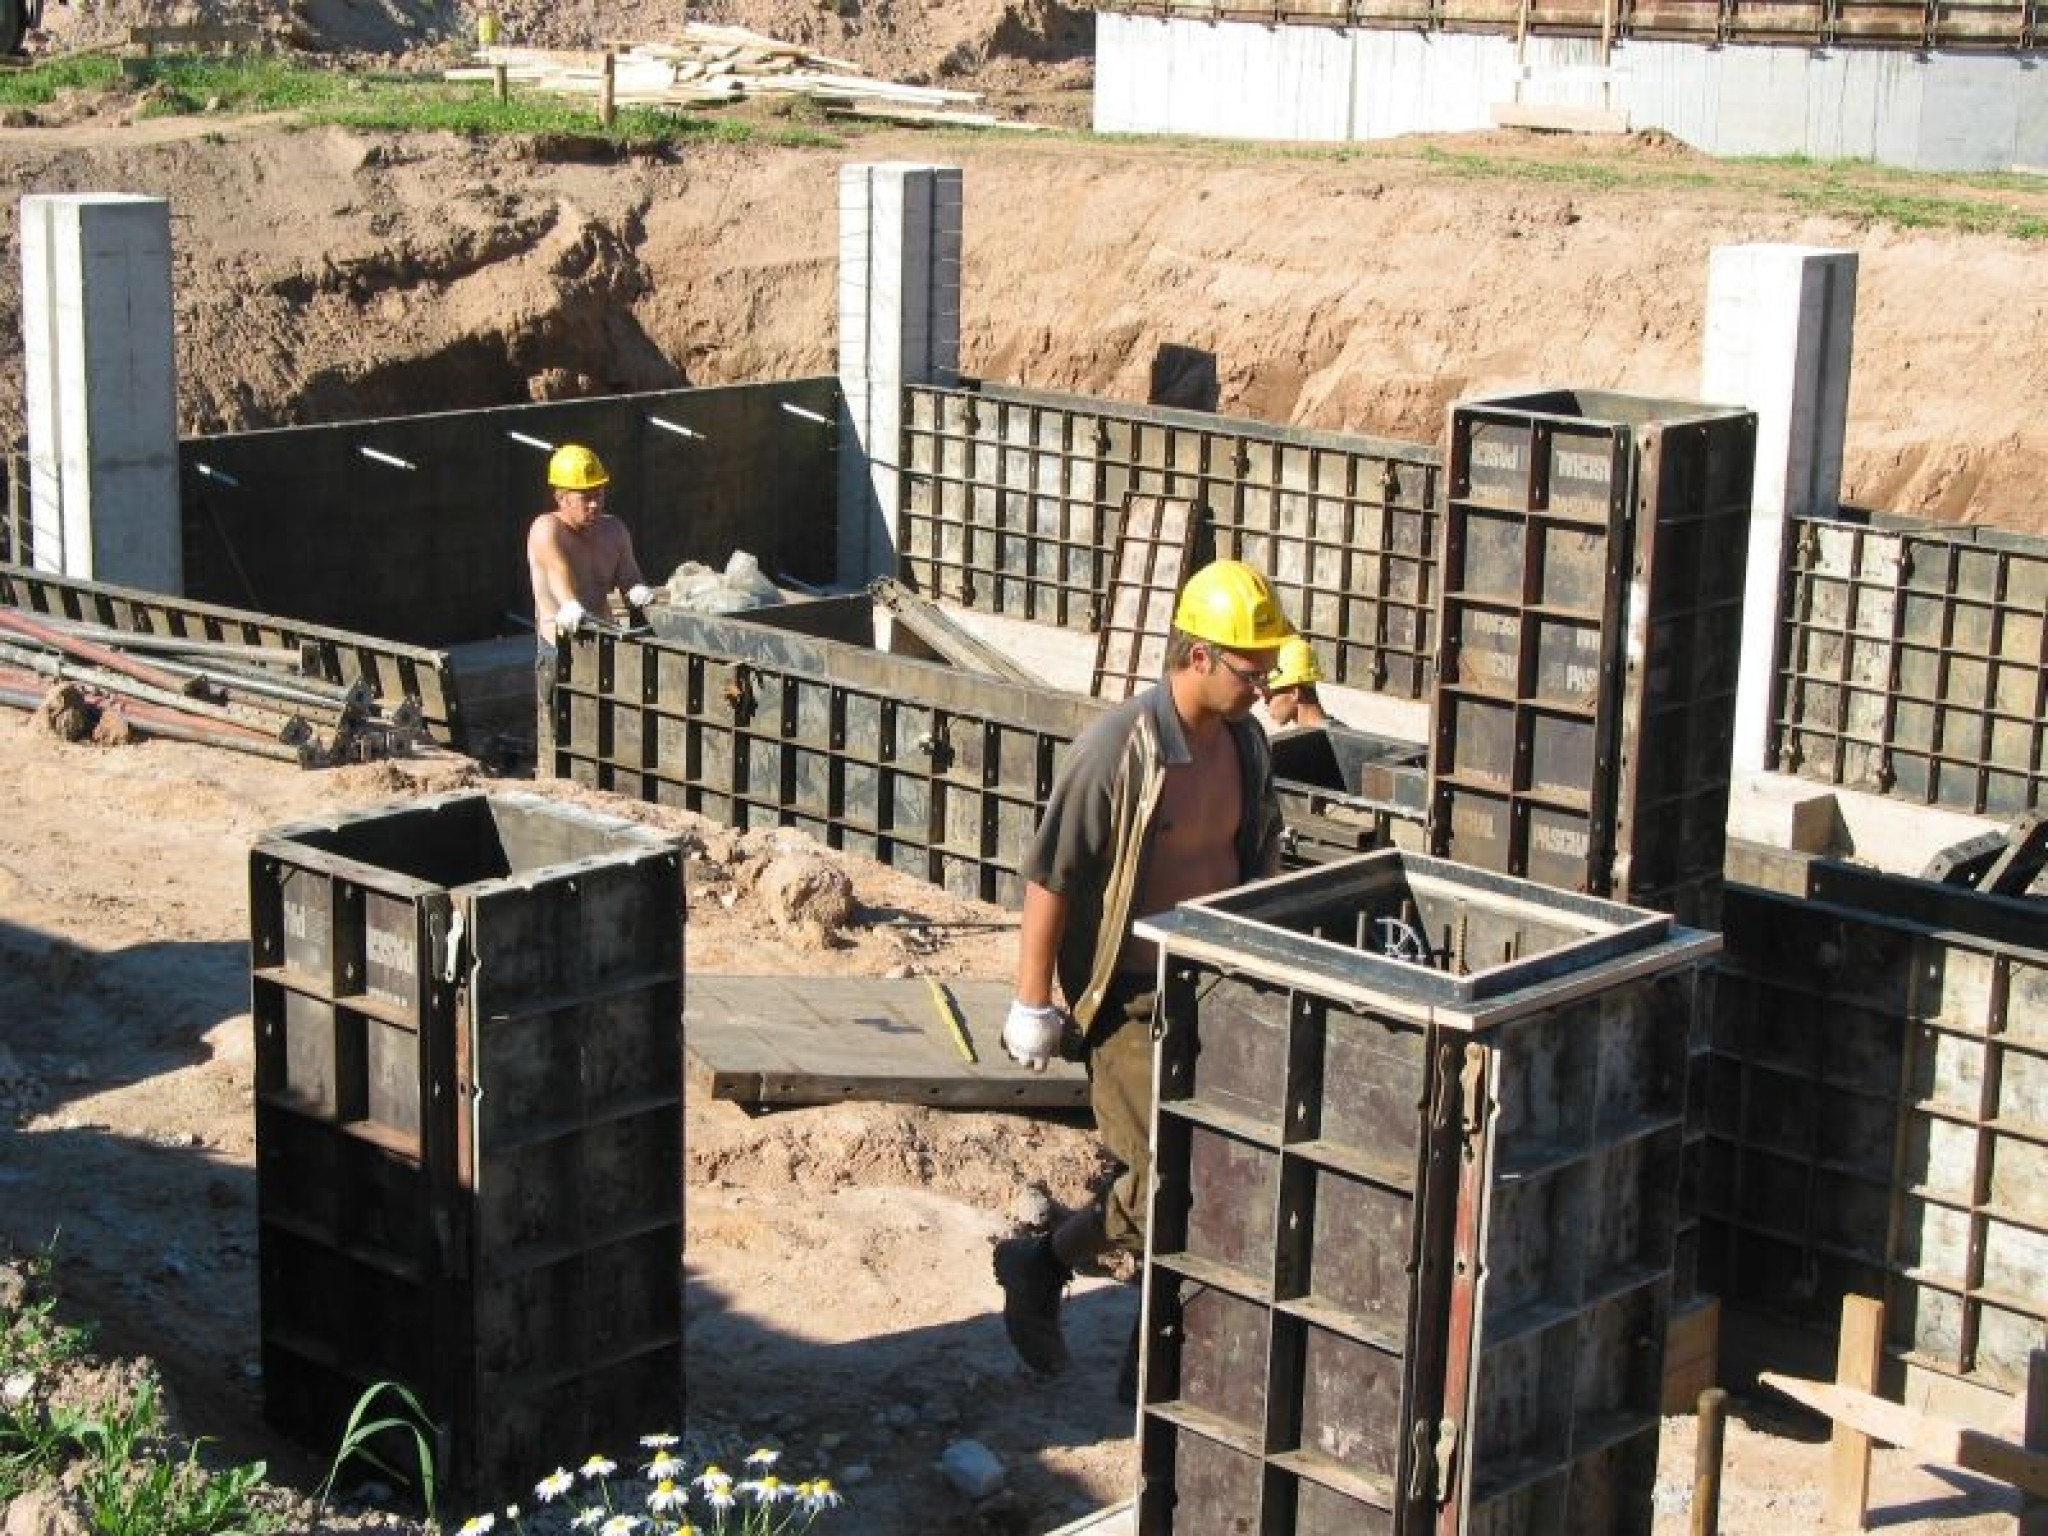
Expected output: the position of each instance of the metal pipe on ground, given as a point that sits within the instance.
(294, 658)
(314, 693)
(85, 650)
(326, 698)
(155, 721)
(293, 732)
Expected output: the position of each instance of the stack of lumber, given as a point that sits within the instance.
(709, 65)
(261, 700)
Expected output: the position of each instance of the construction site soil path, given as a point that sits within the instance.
(839, 1300)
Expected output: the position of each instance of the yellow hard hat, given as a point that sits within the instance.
(1297, 665)
(1228, 603)
(575, 468)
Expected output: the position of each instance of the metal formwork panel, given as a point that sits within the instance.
(1417, 1151)
(1878, 1117)
(1155, 543)
(1590, 626)
(928, 769)
(1914, 663)
(469, 1124)
(1012, 498)
(395, 673)
(1345, 792)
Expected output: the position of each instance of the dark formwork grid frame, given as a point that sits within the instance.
(1012, 502)
(1913, 664)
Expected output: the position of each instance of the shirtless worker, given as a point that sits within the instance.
(577, 554)
(1167, 797)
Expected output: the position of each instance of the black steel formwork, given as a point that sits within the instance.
(1590, 635)
(1913, 663)
(469, 1139)
(1418, 1148)
(791, 717)
(1012, 501)
(1878, 1113)
(1345, 792)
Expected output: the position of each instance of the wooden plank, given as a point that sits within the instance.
(1931, 1440)
(1858, 1357)
(1558, 118)
(1692, 1356)
(920, 117)
(823, 1040)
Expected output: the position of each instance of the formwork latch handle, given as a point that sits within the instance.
(451, 961)
(1446, 1458)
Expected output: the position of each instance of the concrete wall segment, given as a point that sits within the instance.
(101, 386)
(1941, 110)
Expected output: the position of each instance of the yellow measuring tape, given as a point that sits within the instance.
(950, 1013)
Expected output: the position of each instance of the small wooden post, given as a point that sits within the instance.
(1859, 1355)
(2034, 1435)
(1706, 1463)
(501, 89)
(607, 106)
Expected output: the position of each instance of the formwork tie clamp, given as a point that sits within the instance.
(451, 960)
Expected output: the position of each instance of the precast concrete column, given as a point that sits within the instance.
(101, 388)
(1780, 320)
(899, 323)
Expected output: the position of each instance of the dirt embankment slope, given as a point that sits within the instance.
(326, 274)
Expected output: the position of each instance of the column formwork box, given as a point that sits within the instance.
(1589, 639)
(469, 1132)
(1418, 1149)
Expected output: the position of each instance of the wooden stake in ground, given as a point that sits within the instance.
(607, 95)
(1706, 1463)
(1858, 1355)
(1934, 1441)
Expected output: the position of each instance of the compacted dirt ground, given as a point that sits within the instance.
(839, 1303)
(839, 1298)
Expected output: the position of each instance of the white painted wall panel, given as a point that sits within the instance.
(101, 390)
(1944, 111)
(1227, 80)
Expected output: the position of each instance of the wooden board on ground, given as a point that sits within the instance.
(827, 1039)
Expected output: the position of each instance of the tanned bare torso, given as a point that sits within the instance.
(1194, 835)
(578, 551)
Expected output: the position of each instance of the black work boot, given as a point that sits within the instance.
(1033, 1282)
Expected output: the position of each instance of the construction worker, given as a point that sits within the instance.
(1291, 698)
(1167, 797)
(577, 554)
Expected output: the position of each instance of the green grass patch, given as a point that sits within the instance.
(41, 84)
(1864, 193)
(382, 101)
(117, 1457)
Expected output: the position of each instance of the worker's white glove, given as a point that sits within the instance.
(1032, 1034)
(568, 616)
(640, 596)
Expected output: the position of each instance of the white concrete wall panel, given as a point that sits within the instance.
(1940, 111)
(1225, 79)
(1429, 82)
(900, 236)
(1966, 119)
(1779, 326)
(101, 391)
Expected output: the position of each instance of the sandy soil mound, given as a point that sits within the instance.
(912, 40)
